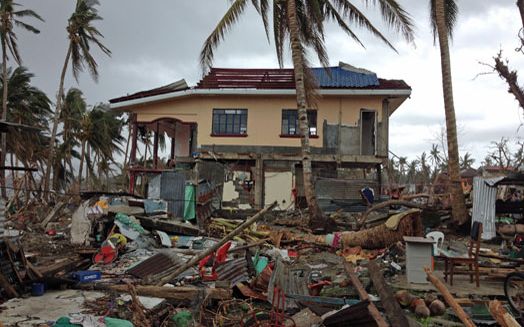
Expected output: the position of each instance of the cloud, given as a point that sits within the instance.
(157, 42)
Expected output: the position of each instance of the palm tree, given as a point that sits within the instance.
(82, 35)
(9, 18)
(466, 161)
(73, 109)
(101, 131)
(27, 105)
(444, 15)
(302, 22)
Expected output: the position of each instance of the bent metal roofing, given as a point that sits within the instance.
(340, 77)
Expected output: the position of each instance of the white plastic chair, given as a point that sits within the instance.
(438, 237)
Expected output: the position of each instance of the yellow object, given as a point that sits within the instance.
(393, 221)
(102, 204)
(118, 239)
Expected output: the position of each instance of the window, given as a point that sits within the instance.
(230, 122)
(290, 122)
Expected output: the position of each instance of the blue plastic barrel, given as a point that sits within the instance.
(37, 289)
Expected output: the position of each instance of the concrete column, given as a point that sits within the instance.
(384, 139)
(259, 183)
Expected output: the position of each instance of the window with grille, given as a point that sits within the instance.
(229, 122)
(290, 122)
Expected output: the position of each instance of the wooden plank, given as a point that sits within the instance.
(393, 310)
(52, 214)
(364, 296)
(240, 228)
(466, 320)
(168, 226)
(503, 318)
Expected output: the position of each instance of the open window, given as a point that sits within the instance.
(368, 132)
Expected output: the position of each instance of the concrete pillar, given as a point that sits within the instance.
(259, 183)
(384, 133)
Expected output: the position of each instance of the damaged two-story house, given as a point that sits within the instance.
(246, 119)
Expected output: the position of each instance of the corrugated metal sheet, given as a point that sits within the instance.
(341, 77)
(484, 197)
(158, 263)
(169, 186)
(233, 271)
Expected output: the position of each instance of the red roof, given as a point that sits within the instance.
(264, 78)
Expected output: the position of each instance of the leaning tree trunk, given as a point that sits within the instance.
(47, 176)
(316, 216)
(458, 204)
(82, 158)
(3, 143)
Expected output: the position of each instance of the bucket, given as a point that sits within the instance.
(37, 289)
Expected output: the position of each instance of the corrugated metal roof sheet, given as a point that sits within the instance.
(333, 77)
(484, 197)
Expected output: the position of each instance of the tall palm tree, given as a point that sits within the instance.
(301, 23)
(27, 105)
(9, 18)
(82, 35)
(444, 16)
(466, 161)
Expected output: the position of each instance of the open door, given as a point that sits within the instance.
(368, 128)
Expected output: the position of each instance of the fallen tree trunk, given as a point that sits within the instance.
(466, 320)
(170, 293)
(385, 204)
(364, 296)
(377, 237)
(170, 275)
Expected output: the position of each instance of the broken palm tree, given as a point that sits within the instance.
(407, 223)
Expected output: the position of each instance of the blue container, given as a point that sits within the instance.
(86, 276)
(37, 289)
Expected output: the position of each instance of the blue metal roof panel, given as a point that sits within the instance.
(341, 77)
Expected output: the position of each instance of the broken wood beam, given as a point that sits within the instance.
(364, 296)
(167, 226)
(8, 288)
(409, 204)
(170, 293)
(503, 318)
(239, 229)
(52, 214)
(461, 314)
(393, 310)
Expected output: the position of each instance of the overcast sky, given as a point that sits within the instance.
(157, 42)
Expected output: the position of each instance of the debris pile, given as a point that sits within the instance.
(120, 263)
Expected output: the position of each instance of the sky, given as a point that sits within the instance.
(154, 43)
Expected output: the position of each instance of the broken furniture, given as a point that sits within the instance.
(468, 260)
(419, 254)
(438, 240)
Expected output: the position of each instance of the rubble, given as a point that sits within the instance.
(152, 269)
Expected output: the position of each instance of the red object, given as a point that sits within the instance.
(106, 254)
(51, 232)
(215, 258)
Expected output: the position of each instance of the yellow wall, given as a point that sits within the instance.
(263, 118)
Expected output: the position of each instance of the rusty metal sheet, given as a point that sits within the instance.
(156, 264)
(233, 271)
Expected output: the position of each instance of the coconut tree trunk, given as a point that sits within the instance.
(82, 158)
(3, 148)
(458, 204)
(316, 216)
(520, 4)
(56, 120)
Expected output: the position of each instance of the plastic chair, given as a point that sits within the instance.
(439, 241)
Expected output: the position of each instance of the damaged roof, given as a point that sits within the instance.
(341, 77)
